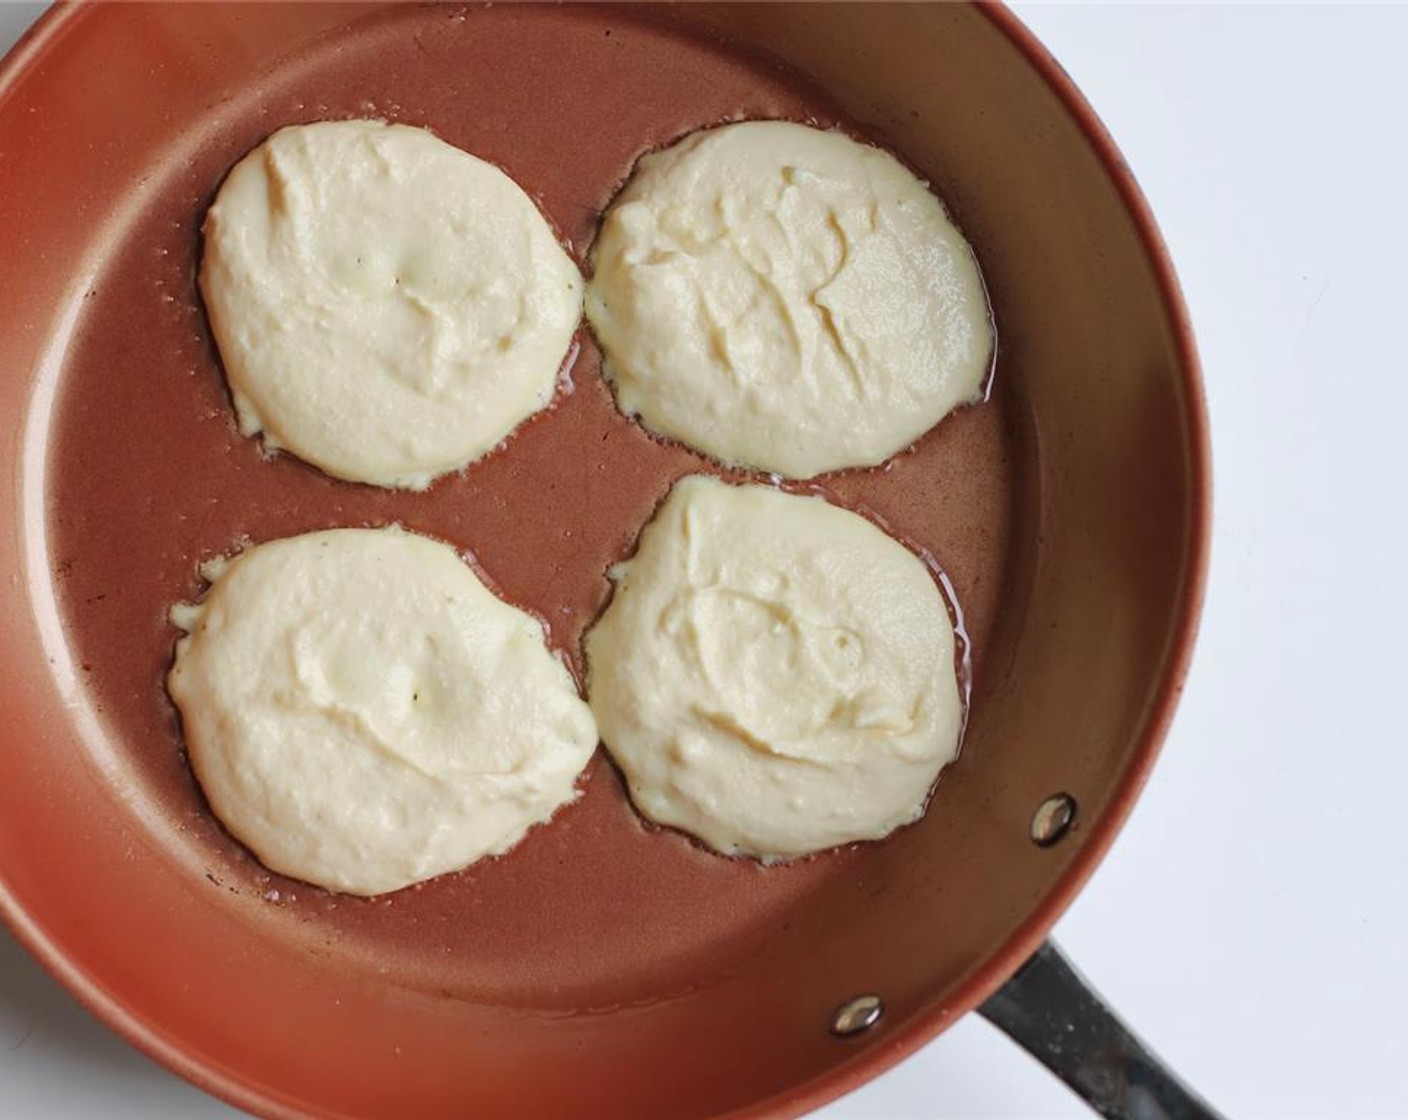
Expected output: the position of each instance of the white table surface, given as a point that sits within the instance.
(1251, 921)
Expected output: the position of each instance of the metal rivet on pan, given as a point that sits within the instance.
(856, 1015)
(1053, 819)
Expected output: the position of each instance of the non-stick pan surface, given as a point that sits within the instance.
(603, 967)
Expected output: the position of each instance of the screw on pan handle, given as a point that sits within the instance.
(1049, 1010)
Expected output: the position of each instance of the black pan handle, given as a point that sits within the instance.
(1050, 1010)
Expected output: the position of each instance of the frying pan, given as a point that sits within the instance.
(603, 968)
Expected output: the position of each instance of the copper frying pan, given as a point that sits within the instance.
(602, 968)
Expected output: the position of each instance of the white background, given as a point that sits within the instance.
(1252, 920)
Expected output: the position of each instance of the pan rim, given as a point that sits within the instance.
(209, 1074)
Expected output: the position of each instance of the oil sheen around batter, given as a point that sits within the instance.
(775, 675)
(786, 299)
(363, 713)
(387, 307)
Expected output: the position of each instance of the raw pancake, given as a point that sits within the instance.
(774, 674)
(364, 714)
(786, 299)
(387, 307)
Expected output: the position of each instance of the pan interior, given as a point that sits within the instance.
(602, 961)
